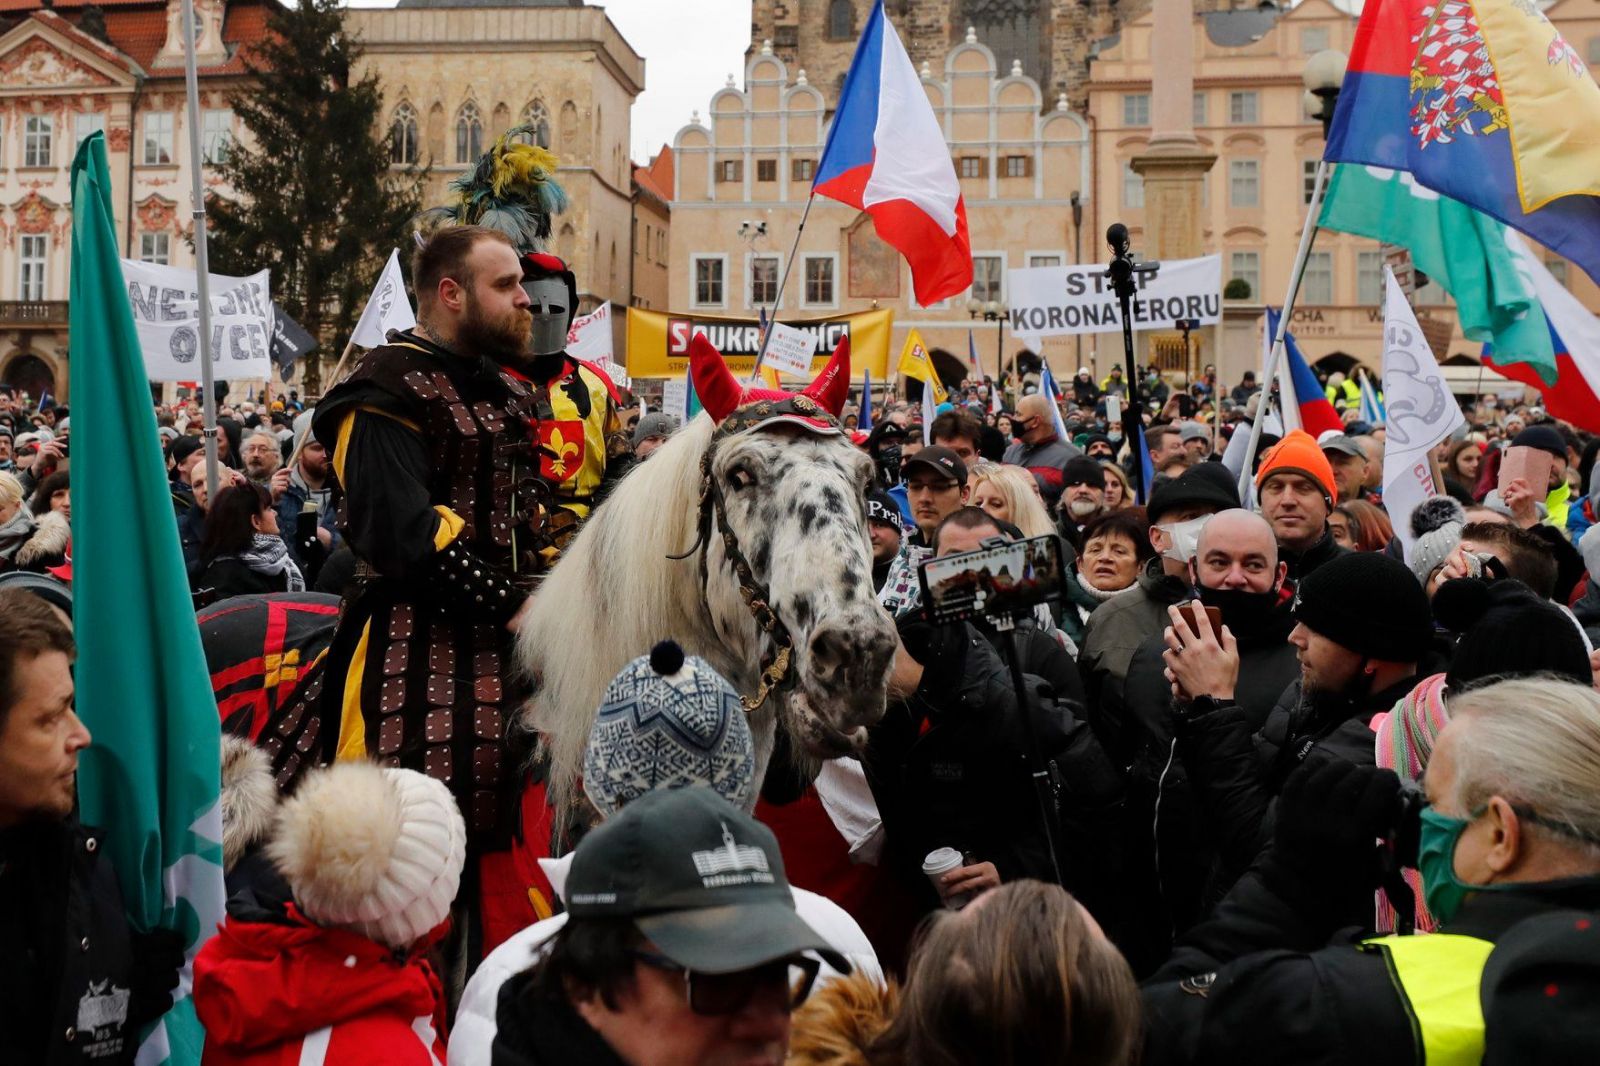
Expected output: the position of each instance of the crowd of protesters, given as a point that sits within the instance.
(1231, 700)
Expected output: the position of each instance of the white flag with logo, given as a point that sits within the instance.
(1422, 412)
(387, 308)
(589, 336)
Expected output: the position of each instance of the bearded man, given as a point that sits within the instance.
(435, 444)
(1083, 496)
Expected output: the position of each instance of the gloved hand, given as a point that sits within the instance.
(157, 958)
(1329, 818)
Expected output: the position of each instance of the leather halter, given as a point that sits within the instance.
(757, 597)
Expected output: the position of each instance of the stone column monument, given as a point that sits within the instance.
(1174, 164)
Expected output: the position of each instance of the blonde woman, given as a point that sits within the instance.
(1010, 494)
(1119, 491)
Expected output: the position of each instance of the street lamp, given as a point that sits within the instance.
(996, 312)
(1323, 76)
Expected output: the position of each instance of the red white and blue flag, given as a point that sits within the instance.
(1304, 404)
(887, 156)
(1485, 102)
(1575, 335)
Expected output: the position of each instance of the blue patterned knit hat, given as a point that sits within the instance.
(669, 721)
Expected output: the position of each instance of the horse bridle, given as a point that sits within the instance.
(779, 673)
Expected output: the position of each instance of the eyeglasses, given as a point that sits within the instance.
(713, 994)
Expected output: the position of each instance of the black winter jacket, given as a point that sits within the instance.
(1264, 982)
(65, 982)
(1302, 563)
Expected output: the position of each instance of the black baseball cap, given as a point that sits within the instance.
(943, 460)
(700, 878)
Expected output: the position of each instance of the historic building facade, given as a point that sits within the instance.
(1249, 111)
(74, 68)
(742, 175)
(457, 75)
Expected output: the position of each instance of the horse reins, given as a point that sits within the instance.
(757, 597)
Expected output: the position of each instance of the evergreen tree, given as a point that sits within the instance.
(317, 200)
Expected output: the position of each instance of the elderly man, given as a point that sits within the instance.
(1083, 497)
(1509, 847)
(1296, 490)
(1349, 462)
(1037, 447)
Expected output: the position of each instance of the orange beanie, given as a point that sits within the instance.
(1297, 453)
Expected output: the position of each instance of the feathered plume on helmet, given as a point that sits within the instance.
(513, 189)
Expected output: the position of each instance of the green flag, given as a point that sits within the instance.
(1464, 250)
(150, 778)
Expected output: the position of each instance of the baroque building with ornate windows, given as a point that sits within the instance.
(741, 177)
(67, 69)
(456, 74)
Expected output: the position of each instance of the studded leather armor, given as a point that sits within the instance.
(425, 655)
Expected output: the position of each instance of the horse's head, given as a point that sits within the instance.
(786, 514)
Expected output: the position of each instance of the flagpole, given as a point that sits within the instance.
(783, 279)
(1308, 234)
(202, 264)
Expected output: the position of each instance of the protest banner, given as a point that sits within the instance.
(166, 314)
(790, 351)
(658, 342)
(290, 342)
(1072, 300)
(387, 308)
(589, 336)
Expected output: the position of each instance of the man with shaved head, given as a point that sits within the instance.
(1189, 671)
(1038, 448)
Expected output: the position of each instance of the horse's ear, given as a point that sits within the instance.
(832, 386)
(719, 391)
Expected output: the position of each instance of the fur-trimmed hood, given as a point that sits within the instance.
(48, 544)
(249, 798)
(839, 1021)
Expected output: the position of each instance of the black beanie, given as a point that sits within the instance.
(1369, 603)
(183, 447)
(1507, 631)
(1082, 470)
(1544, 438)
(1204, 484)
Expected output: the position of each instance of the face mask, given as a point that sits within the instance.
(1183, 537)
(1018, 428)
(1242, 610)
(1436, 862)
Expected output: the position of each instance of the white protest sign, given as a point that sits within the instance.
(675, 398)
(789, 350)
(1070, 300)
(166, 312)
(387, 308)
(589, 336)
(1420, 408)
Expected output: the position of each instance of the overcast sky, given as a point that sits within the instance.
(689, 47)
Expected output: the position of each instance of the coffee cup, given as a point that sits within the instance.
(939, 862)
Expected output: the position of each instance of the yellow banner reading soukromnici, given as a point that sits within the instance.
(658, 343)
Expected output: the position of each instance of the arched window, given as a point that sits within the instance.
(536, 116)
(403, 136)
(469, 134)
(841, 20)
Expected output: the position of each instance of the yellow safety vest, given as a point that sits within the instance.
(1439, 975)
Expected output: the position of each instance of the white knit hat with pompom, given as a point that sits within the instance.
(374, 850)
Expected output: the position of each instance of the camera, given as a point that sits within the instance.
(1003, 579)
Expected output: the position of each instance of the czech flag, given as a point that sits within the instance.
(1485, 102)
(887, 156)
(1575, 335)
(1305, 405)
(1047, 385)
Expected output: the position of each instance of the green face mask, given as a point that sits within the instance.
(1436, 862)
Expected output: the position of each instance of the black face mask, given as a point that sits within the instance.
(1018, 428)
(1243, 611)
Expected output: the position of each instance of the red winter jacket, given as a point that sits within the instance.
(273, 994)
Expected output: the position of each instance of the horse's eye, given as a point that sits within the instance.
(739, 478)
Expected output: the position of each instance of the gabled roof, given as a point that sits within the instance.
(138, 29)
(49, 27)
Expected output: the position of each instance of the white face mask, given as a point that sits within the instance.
(1183, 537)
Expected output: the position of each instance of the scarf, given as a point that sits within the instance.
(1088, 597)
(268, 554)
(1405, 739)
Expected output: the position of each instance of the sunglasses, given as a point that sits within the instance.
(714, 994)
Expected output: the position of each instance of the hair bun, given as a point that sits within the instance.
(1461, 603)
(666, 657)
